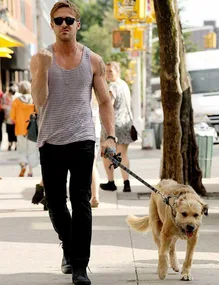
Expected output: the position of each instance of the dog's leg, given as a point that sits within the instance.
(173, 257)
(186, 270)
(155, 222)
(165, 242)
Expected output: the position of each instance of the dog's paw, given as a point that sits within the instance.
(162, 273)
(186, 277)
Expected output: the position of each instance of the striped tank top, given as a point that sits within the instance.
(66, 116)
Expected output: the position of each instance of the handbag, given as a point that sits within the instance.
(32, 128)
(133, 131)
(134, 134)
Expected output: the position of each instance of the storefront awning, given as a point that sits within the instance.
(6, 41)
(3, 54)
(6, 50)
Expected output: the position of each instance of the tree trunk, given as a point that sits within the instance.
(180, 151)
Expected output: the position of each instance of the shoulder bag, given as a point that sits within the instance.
(32, 128)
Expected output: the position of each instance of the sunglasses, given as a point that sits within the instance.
(68, 20)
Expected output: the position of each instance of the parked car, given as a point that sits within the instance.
(203, 68)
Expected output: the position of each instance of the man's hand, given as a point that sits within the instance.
(39, 65)
(41, 61)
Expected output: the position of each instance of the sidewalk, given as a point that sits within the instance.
(30, 252)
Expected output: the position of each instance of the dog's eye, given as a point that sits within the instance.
(195, 215)
(184, 214)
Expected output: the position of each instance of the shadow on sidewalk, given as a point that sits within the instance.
(35, 279)
(105, 278)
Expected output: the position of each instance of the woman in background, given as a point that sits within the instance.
(10, 127)
(22, 108)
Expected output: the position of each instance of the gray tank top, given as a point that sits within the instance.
(66, 116)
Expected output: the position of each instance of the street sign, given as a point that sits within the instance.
(130, 9)
(121, 39)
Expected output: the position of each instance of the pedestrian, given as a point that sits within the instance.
(10, 126)
(63, 76)
(95, 173)
(21, 109)
(2, 116)
(121, 100)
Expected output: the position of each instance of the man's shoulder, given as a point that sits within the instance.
(95, 57)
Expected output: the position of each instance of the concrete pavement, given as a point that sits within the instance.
(29, 247)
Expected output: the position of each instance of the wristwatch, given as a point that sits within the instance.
(113, 138)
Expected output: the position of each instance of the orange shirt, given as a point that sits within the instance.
(20, 114)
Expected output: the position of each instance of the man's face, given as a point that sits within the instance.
(111, 73)
(65, 32)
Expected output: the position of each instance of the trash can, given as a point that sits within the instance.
(205, 152)
(158, 133)
(205, 141)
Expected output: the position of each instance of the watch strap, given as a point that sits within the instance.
(111, 137)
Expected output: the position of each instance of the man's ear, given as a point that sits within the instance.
(78, 25)
(52, 25)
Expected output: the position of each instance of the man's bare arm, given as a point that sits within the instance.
(103, 96)
(39, 66)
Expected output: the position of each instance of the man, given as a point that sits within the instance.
(63, 76)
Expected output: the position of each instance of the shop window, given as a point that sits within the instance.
(23, 12)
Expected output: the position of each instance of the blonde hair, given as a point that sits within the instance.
(24, 87)
(115, 65)
(65, 3)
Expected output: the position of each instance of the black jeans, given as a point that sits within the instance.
(73, 230)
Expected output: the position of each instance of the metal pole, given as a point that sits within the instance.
(148, 74)
(136, 96)
(143, 83)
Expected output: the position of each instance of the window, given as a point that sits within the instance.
(204, 81)
(23, 12)
(12, 7)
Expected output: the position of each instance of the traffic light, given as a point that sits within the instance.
(138, 39)
(130, 10)
(210, 40)
(121, 39)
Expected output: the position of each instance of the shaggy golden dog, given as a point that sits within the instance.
(182, 219)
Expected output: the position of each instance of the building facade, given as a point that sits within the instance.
(17, 22)
(45, 35)
(27, 21)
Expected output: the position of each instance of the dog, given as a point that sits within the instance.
(181, 218)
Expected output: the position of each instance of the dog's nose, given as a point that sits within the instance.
(190, 228)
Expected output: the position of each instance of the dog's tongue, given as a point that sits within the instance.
(189, 234)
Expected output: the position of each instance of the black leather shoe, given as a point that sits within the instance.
(79, 277)
(66, 266)
(109, 186)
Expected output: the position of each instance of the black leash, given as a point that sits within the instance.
(116, 162)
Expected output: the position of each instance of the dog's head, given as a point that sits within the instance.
(189, 209)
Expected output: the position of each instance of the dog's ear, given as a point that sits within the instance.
(205, 209)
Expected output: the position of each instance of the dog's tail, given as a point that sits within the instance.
(139, 224)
